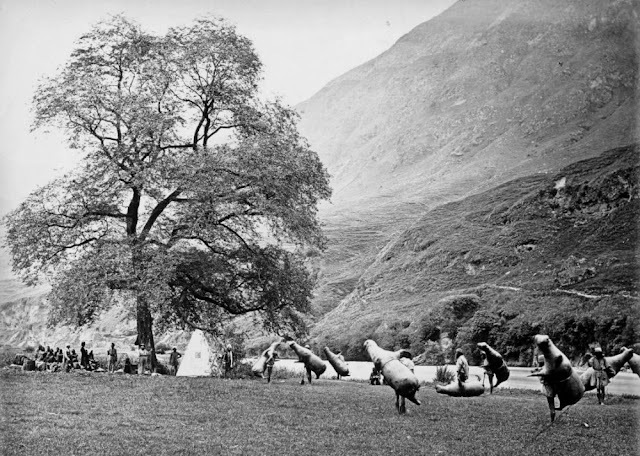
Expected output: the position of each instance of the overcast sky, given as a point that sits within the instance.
(303, 44)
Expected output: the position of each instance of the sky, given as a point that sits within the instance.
(303, 45)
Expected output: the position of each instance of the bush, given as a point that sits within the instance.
(432, 355)
(444, 375)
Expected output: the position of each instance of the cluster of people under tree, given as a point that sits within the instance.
(58, 359)
(66, 360)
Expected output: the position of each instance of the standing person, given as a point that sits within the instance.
(307, 368)
(84, 356)
(173, 361)
(487, 371)
(66, 359)
(462, 367)
(269, 365)
(143, 354)
(112, 358)
(341, 358)
(599, 377)
(227, 359)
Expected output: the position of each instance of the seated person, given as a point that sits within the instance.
(375, 376)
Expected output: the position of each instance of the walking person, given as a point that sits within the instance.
(600, 377)
(462, 366)
(341, 358)
(112, 358)
(173, 361)
(269, 365)
(487, 371)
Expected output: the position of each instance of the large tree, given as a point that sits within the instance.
(189, 228)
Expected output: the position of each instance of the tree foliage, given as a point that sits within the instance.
(193, 195)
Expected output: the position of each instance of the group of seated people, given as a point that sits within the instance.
(46, 359)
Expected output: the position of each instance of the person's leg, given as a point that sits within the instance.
(552, 408)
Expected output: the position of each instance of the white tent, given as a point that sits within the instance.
(199, 359)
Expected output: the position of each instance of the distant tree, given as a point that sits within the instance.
(160, 212)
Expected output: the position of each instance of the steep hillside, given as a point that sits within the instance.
(533, 248)
(488, 91)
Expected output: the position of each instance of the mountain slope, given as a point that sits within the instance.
(530, 246)
(488, 91)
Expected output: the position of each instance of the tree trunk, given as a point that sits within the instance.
(145, 329)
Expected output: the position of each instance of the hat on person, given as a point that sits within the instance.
(597, 351)
(459, 352)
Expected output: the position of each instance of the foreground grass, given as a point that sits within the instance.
(76, 413)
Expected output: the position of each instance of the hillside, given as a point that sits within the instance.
(541, 251)
(488, 91)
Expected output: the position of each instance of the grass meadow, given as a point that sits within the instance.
(90, 413)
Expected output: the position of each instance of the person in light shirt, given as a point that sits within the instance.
(462, 366)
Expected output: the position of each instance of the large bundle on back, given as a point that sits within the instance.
(337, 362)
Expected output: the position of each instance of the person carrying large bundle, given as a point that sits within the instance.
(600, 377)
(462, 367)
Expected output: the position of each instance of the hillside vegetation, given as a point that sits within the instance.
(546, 253)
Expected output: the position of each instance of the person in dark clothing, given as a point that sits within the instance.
(84, 356)
(173, 361)
(128, 368)
(374, 378)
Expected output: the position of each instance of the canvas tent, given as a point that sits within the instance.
(200, 358)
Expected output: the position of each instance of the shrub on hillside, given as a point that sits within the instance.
(431, 355)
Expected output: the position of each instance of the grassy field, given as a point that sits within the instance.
(81, 413)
